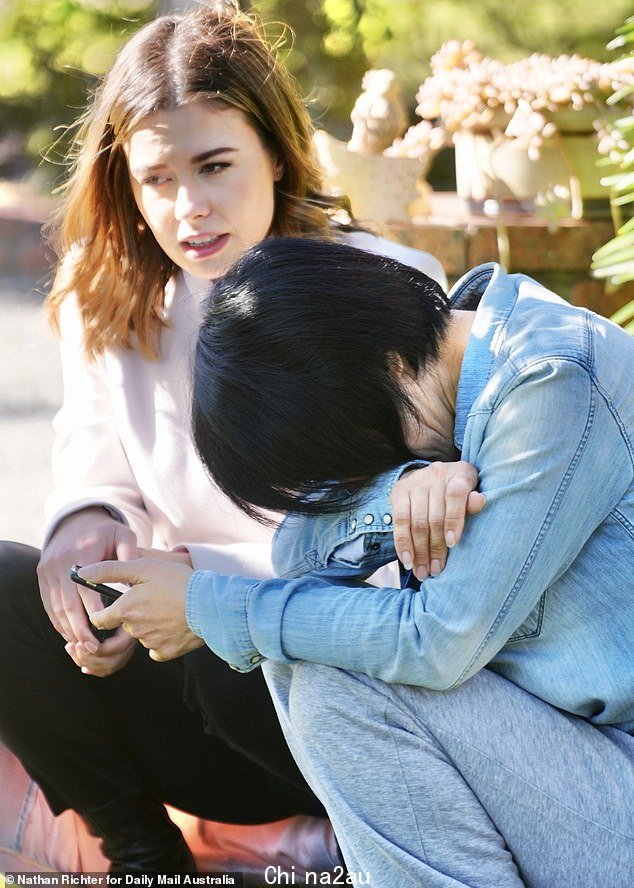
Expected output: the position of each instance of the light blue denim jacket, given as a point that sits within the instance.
(541, 586)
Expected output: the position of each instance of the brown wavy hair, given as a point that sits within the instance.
(108, 257)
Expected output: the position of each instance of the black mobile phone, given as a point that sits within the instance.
(107, 592)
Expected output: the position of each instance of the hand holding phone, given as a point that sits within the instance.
(108, 595)
(108, 592)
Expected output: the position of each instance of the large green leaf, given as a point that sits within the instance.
(614, 261)
(621, 246)
(625, 315)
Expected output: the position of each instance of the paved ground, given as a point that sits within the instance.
(30, 392)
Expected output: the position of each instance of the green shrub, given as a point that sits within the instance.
(614, 261)
(52, 53)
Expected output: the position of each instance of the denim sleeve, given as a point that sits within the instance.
(216, 610)
(552, 463)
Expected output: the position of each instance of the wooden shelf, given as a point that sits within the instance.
(559, 257)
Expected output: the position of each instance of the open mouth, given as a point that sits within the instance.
(204, 244)
(201, 241)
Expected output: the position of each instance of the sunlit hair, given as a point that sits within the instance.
(295, 389)
(108, 256)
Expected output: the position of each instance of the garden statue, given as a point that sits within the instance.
(379, 115)
(383, 180)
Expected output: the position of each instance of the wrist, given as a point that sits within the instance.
(90, 514)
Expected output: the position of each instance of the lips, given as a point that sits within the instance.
(201, 246)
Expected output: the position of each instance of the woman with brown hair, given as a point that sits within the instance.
(195, 147)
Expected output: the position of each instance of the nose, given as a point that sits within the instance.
(190, 203)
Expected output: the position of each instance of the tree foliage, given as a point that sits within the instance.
(337, 40)
(52, 51)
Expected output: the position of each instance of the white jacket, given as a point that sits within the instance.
(123, 436)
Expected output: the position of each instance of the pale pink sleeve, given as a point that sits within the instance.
(89, 464)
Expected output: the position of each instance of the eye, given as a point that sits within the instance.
(213, 167)
(155, 180)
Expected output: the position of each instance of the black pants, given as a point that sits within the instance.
(191, 732)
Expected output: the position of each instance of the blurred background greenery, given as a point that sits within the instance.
(52, 52)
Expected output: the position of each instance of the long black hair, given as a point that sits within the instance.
(294, 385)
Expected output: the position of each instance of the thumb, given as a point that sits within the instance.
(476, 501)
(108, 618)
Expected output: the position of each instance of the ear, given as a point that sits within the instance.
(278, 170)
(400, 369)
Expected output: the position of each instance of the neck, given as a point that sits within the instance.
(434, 393)
(452, 354)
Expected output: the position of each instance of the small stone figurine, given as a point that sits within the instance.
(379, 114)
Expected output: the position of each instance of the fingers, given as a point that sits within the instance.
(163, 655)
(429, 507)
(420, 531)
(65, 608)
(47, 593)
(130, 572)
(125, 544)
(84, 536)
(476, 502)
(112, 655)
(152, 609)
(78, 615)
(426, 508)
(401, 522)
(458, 490)
(178, 556)
(437, 545)
(170, 651)
(128, 610)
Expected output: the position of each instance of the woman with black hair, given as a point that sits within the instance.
(476, 730)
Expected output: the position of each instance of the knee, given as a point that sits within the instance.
(320, 698)
(18, 576)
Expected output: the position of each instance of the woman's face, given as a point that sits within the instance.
(204, 183)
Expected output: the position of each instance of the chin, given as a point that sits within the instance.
(208, 271)
(435, 452)
(203, 274)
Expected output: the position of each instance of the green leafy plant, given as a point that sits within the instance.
(614, 261)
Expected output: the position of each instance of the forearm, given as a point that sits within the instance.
(381, 632)
(459, 620)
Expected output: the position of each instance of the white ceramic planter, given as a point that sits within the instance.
(499, 169)
(381, 189)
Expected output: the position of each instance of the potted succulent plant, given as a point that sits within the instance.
(525, 132)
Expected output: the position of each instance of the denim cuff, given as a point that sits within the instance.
(216, 611)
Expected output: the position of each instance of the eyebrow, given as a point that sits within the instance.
(198, 158)
(207, 154)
